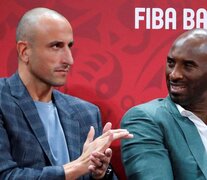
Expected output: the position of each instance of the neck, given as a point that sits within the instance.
(200, 111)
(202, 116)
(38, 90)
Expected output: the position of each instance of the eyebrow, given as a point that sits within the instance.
(186, 60)
(70, 44)
(55, 42)
(169, 58)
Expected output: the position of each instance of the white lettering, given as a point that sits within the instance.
(157, 21)
(201, 18)
(157, 18)
(138, 17)
(148, 19)
(188, 22)
(170, 16)
(153, 18)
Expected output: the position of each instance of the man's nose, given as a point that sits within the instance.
(176, 73)
(68, 57)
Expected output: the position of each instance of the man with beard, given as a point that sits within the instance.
(45, 134)
(170, 134)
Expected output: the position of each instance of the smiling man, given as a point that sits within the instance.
(170, 135)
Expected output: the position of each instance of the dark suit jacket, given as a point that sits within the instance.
(24, 150)
(165, 146)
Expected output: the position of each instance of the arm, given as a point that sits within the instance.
(145, 156)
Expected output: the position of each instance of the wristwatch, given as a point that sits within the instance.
(108, 175)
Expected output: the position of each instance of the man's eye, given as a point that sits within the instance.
(57, 45)
(189, 64)
(70, 44)
(170, 62)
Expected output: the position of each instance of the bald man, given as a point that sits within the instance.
(170, 135)
(45, 134)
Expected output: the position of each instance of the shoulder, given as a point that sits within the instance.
(5, 89)
(2, 82)
(148, 107)
(153, 111)
(75, 102)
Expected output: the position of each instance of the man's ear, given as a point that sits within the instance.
(23, 51)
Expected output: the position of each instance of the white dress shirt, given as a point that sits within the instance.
(200, 125)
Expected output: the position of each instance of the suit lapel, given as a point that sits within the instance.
(191, 135)
(70, 124)
(28, 107)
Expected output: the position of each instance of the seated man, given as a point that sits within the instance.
(43, 132)
(170, 134)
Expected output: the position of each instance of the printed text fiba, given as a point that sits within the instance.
(157, 18)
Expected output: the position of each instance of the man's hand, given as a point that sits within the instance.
(102, 154)
(104, 141)
(99, 160)
(95, 153)
(100, 163)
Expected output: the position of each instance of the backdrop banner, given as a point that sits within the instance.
(120, 49)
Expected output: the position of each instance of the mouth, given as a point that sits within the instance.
(62, 69)
(177, 88)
